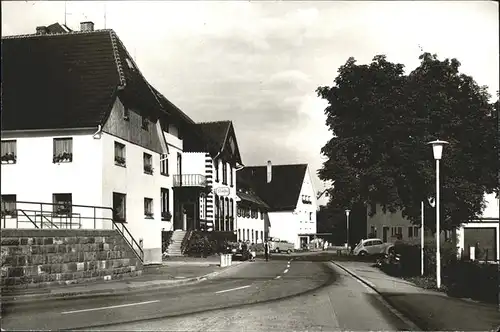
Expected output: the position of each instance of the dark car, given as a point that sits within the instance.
(240, 253)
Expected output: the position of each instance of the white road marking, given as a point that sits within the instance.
(110, 307)
(232, 289)
(277, 277)
(286, 271)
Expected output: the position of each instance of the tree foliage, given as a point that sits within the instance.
(381, 120)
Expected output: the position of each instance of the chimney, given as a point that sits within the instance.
(87, 26)
(269, 171)
(41, 30)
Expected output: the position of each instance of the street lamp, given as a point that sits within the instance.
(437, 149)
(347, 215)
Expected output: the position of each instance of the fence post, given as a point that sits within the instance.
(94, 218)
(41, 214)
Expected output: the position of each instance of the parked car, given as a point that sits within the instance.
(277, 245)
(372, 247)
(240, 252)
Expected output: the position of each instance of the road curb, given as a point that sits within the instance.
(406, 320)
(41, 297)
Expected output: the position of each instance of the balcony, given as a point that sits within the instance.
(190, 180)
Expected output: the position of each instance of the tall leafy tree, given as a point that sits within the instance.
(381, 120)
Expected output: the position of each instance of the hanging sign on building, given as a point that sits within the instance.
(222, 191)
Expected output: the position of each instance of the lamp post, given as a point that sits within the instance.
(347, 235)
(437, 149)
(422, 230)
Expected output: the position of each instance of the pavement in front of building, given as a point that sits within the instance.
(168, 274)
(430, 310)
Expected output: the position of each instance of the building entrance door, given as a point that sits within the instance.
(385, 232)
(190, 215)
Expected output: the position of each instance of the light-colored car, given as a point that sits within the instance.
(371, 247)
(277, 245)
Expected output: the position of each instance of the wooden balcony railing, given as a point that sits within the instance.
(190, 180)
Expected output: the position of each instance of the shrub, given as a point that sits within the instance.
(209, 243)
(473, 280)
(166, 239)
(411, 258)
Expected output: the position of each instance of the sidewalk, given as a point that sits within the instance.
(169, 274)
(430, 310)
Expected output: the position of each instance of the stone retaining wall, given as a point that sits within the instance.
(42, 257)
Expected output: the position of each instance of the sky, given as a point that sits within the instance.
(258, 63)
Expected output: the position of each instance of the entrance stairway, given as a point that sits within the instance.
(174, 249)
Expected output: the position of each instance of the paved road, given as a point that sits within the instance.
(275, 295)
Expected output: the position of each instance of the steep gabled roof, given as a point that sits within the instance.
(217, 131)
(69, 80)
(171, 109)
(283, 192)
(216, 135)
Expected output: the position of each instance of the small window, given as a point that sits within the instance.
(224, 172)
(310, 216)
(164, 164)
(129, 63)
(126, 114)
(120, 154)
(145, 123)
(148, 207)
(9, 152)
(148, 163)
(377, 242)
(62, 204)
(415, 231)
(262, 235)
(368, 243)
(410, 231)
(63, 150)
(165, 205)
(119, 207)
(216, 165)
(9, 205)
(231, 175)
(262, 215)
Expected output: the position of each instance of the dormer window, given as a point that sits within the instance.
(145, 123)
(129, 63)
(126, 114)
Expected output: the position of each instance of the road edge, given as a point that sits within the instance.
(412, 325)
(35, 298)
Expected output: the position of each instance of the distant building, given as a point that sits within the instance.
(290, 195)
(485, 230)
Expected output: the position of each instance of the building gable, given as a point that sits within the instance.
(307, 189)
(230, 147)
(127, 124)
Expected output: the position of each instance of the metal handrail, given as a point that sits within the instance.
(17, 220)
(41, 220)
(50, 214)
(139, 254)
